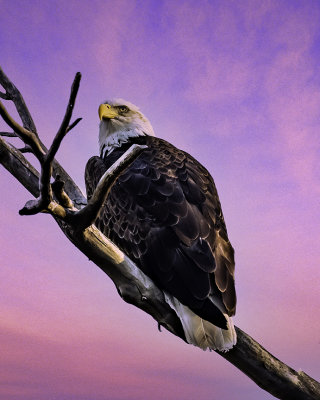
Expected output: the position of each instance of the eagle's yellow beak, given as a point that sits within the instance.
(106, 111)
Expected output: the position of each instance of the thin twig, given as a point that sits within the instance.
(27, 136)
(13, 94)
(73, 124)
(26, 149)
(65, 122)
(8, 134)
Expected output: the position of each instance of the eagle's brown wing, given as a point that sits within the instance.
(164, 213)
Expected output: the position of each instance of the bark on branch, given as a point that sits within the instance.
(133, 286)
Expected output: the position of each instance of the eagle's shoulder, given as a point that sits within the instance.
(94, 170)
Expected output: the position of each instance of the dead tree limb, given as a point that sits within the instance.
(28, 137)
(133, 286)
(14, 95)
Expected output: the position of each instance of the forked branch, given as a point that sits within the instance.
(45, 200)
(134, 287)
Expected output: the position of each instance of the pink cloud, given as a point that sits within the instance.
(214, 85)
(110, 26)
(294, 110)
(231, 72)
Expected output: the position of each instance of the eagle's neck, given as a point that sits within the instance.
(115, 132)
(117, 139)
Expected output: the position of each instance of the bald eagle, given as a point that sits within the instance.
(164, 213)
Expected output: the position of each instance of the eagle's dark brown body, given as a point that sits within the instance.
(164, 213)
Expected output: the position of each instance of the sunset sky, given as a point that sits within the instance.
(234, 83)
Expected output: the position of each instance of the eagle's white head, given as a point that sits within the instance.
(119, 121)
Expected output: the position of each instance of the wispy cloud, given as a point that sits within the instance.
(254, 66)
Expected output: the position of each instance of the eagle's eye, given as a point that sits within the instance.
(123, 109)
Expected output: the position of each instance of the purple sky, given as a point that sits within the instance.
(237, 84)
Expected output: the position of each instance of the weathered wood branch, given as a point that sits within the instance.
(136, 288)
(19, 167)
(60, 194)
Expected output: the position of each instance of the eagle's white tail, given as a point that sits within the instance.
(200, 332)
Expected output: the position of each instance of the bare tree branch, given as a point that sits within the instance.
(65, 123)
(27, 136)
(12, 93)
(19, 167)
(8, 134)
(136, 288)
